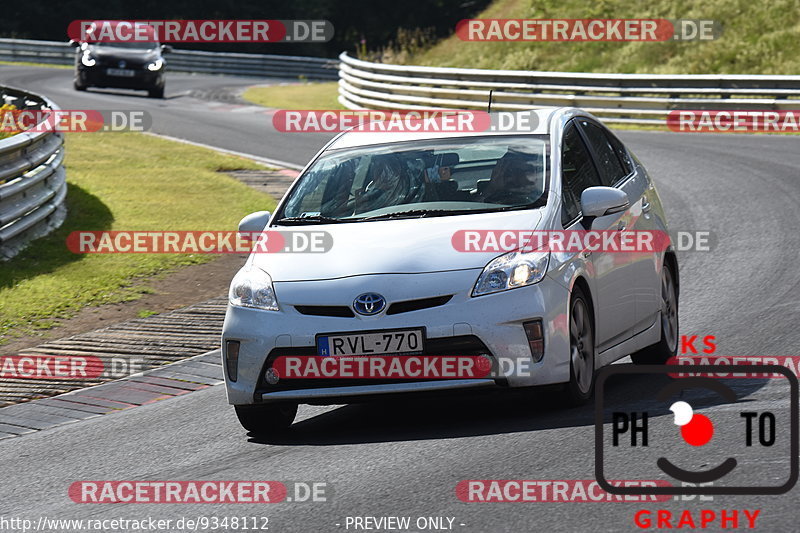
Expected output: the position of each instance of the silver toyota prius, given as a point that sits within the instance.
(436, 252)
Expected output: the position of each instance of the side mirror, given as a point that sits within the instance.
(165, 49)
(601, 201)
(255, 222)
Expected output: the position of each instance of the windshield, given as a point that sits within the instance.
(130, 45)
(415, 179)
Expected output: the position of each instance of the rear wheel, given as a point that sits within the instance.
(266, 419)
(581, 351)
(667, 346)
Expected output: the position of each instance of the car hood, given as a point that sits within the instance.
(391, 246)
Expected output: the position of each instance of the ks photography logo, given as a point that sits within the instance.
(741, 445)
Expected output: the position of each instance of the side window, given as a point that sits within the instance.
(611, 170)
(621, 152)
(577, 174)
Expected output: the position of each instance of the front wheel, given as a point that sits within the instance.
(266, 419)
(156, 92)
(581, 351)
(77, 86)
(667, 346)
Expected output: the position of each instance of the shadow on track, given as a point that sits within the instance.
(489, 413)
(133, 93)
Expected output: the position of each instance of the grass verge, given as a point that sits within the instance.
(295, 96)
(121, 181)
(33, 64)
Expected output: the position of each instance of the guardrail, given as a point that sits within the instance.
(260, 65)
(33, 182)
(615, 98)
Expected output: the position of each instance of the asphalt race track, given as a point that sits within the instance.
(405, 458)
(179, 114)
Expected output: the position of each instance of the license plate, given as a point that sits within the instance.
(386, 342)
(124, 72)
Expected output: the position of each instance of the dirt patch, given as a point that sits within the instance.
(186, 286)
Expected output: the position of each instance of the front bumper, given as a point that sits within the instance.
(490, 324)
(142, 78)
(337, 394)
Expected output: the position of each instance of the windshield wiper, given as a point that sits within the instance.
(421, 213)
(411, 213)
(310, 219)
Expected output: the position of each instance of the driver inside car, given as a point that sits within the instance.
(387, 185)
(516, 178)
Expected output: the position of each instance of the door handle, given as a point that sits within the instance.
(646, 206)
(621, 226)
(586, 255)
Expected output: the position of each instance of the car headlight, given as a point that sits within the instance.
(155, 65)
(510, 271)
(87, 60)
(252, 287)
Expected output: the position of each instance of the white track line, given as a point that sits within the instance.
(256, 158)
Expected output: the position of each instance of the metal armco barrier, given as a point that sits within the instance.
(253, 65)
(270, 66)
(33, 184)
(615, 98)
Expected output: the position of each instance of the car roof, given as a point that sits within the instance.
(541, 120)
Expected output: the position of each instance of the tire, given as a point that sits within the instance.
(581, 350)
(667, 346)
(266, 419)
(78, 87)
(156, 92)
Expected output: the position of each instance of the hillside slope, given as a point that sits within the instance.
(758, 38)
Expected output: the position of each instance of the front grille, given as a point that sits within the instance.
(415, 305)
(325, 310)
(111, 62)
(394, 309)
(461, 345)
